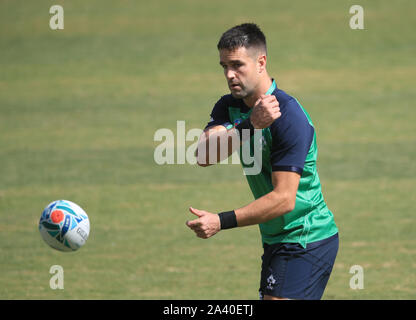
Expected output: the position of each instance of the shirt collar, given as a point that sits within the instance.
(272, 88)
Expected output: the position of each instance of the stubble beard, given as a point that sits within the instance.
(243, 93)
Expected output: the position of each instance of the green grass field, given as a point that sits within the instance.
(79, 108)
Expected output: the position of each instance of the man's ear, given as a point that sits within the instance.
(261, 63)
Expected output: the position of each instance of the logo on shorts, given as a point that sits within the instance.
(271, 282)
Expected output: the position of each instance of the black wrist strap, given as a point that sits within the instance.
(228, 220)
(245, 124)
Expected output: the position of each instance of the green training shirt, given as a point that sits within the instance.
(289, 144)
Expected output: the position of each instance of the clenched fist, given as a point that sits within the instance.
(265, 111)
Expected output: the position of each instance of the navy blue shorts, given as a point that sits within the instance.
(290, 271)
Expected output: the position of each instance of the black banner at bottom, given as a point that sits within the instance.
(201, 309)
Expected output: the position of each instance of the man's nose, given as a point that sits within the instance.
(229, 74)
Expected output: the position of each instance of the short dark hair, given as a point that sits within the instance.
(244, 35)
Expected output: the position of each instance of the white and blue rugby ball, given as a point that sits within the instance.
(64, 225)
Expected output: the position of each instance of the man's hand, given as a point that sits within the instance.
(265, 111)
(207, 224)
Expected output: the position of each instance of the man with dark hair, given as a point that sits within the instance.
(299, 235)
(245, 35)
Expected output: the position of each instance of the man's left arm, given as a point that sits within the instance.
(276, 203)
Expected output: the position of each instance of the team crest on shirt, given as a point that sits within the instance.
(237, 122)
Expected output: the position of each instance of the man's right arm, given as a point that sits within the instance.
(215, 144)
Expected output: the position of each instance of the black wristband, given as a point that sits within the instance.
(228, 220)
(245, 124)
